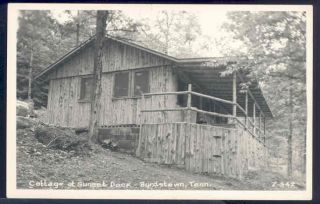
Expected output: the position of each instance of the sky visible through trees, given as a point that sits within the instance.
(273, 42)
(210, 27)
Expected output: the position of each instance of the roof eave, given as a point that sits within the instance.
(64, 57)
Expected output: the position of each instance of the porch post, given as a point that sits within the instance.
(254, 118)
(264, 129)
(234, 94)
(143, 106)
(260, 132)
(246, 109)
(264, 125)
(189, 104)
(189, 95)
(200, 103)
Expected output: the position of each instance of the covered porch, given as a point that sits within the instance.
(206, 96)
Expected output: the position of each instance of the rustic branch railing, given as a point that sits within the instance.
(211, 113)
(166, 93)
(212, 98)
(166, 109)
(189, 93)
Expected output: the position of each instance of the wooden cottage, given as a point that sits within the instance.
(167, 110)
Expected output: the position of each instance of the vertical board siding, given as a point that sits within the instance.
(79, 64)
(127, 110)
(123, 57)
(63, 106)
(116, 57)
(201, 148)
(161, 80)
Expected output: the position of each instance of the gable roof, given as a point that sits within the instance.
(90, 41)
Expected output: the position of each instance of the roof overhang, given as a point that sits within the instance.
(209, 78)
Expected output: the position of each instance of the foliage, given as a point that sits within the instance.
(275, 50)
(33, 39)
(172, 32)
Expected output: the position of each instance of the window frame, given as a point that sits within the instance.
(131, 84)
(85, 100)
(134, 84)
(114, 85)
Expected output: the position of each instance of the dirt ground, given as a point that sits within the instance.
(41, 167)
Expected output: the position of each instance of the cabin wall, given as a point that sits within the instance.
(64, 108)
(127, 110)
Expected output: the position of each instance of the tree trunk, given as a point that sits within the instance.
(97, 72)
(78, 29)
(167, 33)
(30, 75)
(289, 168)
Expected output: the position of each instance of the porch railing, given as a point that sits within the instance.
(248, 125)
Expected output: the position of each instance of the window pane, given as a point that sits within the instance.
(141, 82)
(86, 88)
(121, 84)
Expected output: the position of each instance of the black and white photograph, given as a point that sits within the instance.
(152, 101)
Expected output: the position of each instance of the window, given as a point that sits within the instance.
(141, 82)
(121, 85)
(131, 84)
(86, 89)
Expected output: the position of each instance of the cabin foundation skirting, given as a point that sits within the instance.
(202, 148)
(123, 138)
